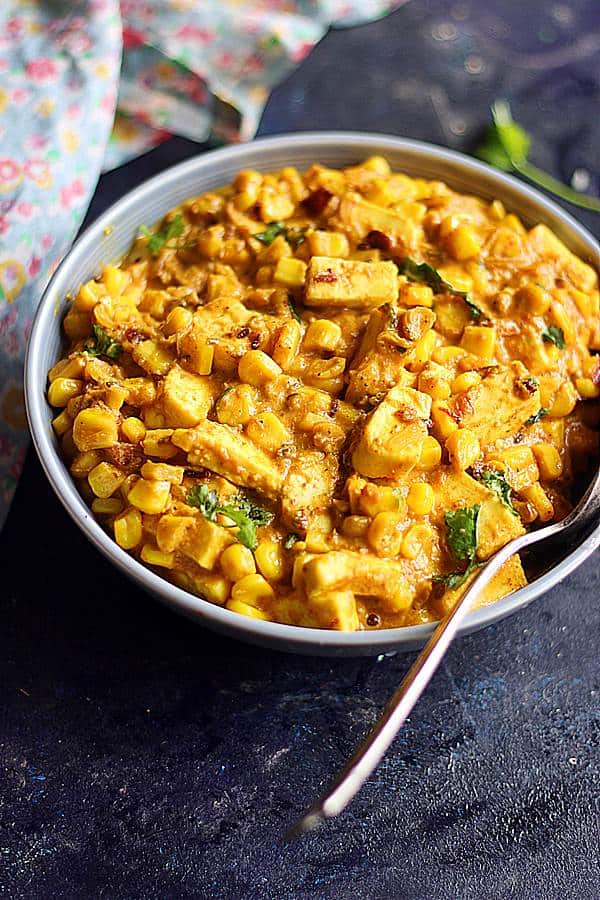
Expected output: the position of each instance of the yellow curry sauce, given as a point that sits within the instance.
(323, 399)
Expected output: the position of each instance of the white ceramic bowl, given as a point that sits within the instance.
(147, 203)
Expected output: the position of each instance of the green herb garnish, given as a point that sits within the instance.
(157, 240)
(204, 499)
(293, 308)
(554, 335)
(496, 481)
(101, 344)
(537, 416)
(506, 146)
(423, 273)
(294, 235)
(246, 515)
(291, 540)
(461, 536)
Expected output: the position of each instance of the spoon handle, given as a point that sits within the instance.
(370, 752)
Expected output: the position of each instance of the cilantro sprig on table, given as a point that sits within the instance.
(461, 537)
(101, 344)
(246, 515)
(506, 146)
(423, 273)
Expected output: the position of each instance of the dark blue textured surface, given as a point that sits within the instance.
(144, 757)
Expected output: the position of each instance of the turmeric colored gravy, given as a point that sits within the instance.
(324, 398)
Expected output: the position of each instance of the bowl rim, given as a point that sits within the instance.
(277, 635)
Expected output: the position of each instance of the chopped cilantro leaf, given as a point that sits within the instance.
(157, 240)
(496, 481)
(476, 312)
(554, 335)
(537, 416)
(293, 234)
(461, 536)
(204, 499)
(101, 344)
(246, 515)
(293, 308)
(273, 230)
(291, 540)
(426, 274)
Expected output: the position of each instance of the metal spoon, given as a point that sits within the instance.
(368, 755)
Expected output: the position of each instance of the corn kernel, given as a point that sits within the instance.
(104, 479)
(290, 272)
(155, 557)
(384, 535)
(423, 349)
(270, 560)
(465, 382)
(236, 405)
(150, 497)
(564, 322)
(355, 526)
(565, 401)
(239, 606)
(202, 358)
(128, 529)
(536, 495)
(479, 340)
(549, 461)
(375, 498)
(157, 442)
(133, 429)
(434, 380)
(464, 448)
(514, 223)
(88, 295)
(140, 391)
(431, 453)
(162, 472)
(95, 428)
(268, 431)
(153, 358)
(416, 540)
(554, 430)
(154, 417)
(322, 334)
(236, 562)
(68, 368)
(416, 295)
(213, 587)
(286, 344)
(64, 389)
(443, 423)
(457, 277)
(115, 280)
(587, 389)
(257, 368)
(534, 298)
(420, 498)
(463, 243)
(178, 320)
(521, 464)
(107, 506)
(377, 164)
(253, 590)
(328, 243)
(448, 355)
(83, 463)
(62, 422)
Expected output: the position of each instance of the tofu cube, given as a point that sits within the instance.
(340, 282)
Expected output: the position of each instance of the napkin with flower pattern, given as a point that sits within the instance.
(200, 68)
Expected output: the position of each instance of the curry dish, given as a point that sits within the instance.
(325, 399)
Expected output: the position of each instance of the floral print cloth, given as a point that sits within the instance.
(199, 68)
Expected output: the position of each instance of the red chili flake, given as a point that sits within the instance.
(327, 276)
(134, 336)
(316, 202)
(129, 457)
(376, 240)
(333, 406)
